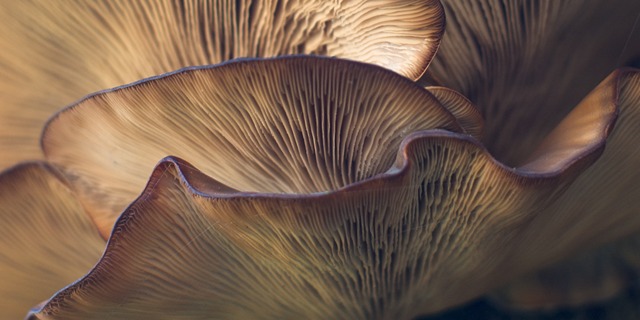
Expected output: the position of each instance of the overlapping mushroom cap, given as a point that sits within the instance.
(55, 52)
(46, 239)
(525, 70)
(310, 187)
(297, 205)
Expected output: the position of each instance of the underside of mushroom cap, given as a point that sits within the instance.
(284, 125)
(46, 240)
(433, 231)
(467, 114)
(526, 64)
(601, 204)
(54, 52)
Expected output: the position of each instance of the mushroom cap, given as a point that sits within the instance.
(287, 125)
(441, 224)
(514, 60)
(465, 111)
(55, 52)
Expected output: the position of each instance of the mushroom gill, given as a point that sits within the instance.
(601, 205)
(442, 225)
(525, 64)
(297, 125)
(46, 239)
(467, 114)
(54, 52)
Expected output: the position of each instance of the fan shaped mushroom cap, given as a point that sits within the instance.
(290, 125)
(54, 52)
(441, 226)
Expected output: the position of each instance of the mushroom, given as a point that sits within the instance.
(308, 225)
(46, 239)
(55, 52)
(525, 64)
(305, 211)
(524, 71)
(279, 127)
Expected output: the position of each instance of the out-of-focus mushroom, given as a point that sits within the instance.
(525, 63)
(603, 201)
(592, 277)
(317, 228)
(46, 239)
(54, 52)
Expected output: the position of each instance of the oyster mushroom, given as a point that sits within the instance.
(277, 154)
(55, 52)
(524, 64)
(306, 211)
